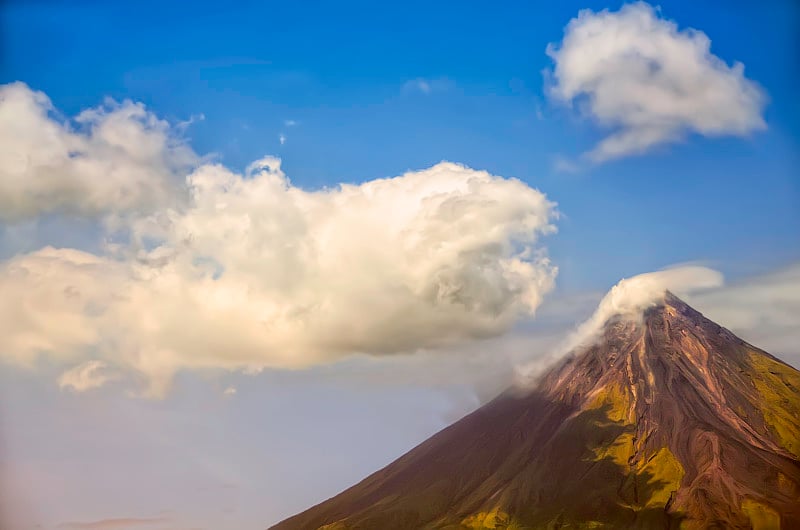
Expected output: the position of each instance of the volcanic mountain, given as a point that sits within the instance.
(666, 421)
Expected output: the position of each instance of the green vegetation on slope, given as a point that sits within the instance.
(493, 520)
(661, 470)
(665, 468)
(612, 489)
(761, 516)
(779, 388)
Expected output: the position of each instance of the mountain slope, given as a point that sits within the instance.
(666, 422)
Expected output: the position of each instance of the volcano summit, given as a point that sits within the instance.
(666, 421)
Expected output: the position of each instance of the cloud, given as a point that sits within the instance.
(631, 296)
(760, 309)
(652, 83)
(282, 138)
(426, 86)
(628, 298)
(245, 271)
(91, 374)
(290, 123)
(562, 164)
(116, 158)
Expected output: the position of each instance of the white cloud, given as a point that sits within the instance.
(86, 376)
(116, 158)
(282, 138)
(426, 86)
(637, 73)
(250, 271)
(628, 298)
(562, 164)
(761, 309)
(631, 296)
(290, 123)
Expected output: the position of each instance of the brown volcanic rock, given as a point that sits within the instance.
(670, 422)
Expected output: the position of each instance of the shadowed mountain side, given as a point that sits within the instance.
(665, 422)
(416, 491)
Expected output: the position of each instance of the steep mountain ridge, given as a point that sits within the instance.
(668, 421)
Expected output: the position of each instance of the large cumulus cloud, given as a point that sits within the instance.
(243, 271)
(650, 82)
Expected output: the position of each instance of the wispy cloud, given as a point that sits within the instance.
(651, 83)
(426, 86)
(563, 164)
(630, 297)
(86, 376)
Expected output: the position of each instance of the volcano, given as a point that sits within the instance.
(666, 421)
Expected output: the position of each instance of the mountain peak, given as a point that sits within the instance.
(672, 301)
(636, 294)
(662, 421)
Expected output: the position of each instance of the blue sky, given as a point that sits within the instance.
(358, 91)
(338, 70)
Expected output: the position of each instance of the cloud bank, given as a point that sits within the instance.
(652, 83)
(244, 271)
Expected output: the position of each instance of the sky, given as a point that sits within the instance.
(251, 253)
